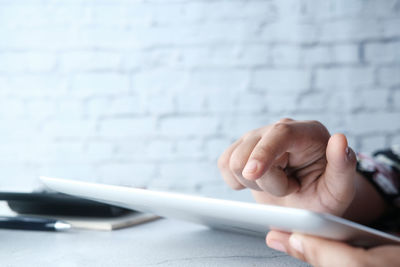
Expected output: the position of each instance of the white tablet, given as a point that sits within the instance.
(231, 215)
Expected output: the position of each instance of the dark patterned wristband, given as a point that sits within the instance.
(382, 176)
(382, 171)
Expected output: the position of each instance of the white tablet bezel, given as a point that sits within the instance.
(226, 214)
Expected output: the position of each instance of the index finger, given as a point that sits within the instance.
(292, 137)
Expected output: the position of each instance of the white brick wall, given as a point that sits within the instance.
(149, 93)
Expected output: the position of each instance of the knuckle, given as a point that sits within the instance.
(282, 128)
(236, 165)
(320, 127)
(223, 163)
(261, 152)
(317, 123)
(249, 134)
(285, 120)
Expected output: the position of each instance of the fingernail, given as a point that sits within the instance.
(348, 153)
(277, 246)
(251, 167)
(296, 244)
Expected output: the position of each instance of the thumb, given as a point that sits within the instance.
(337, 186)
(324, 252)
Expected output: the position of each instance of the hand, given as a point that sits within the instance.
(323, 252)
(298, 164)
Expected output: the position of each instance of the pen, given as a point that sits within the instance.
(32, 223)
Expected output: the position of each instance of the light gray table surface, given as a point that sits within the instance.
(162, 242)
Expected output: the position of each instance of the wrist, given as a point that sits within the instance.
(368, 205)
